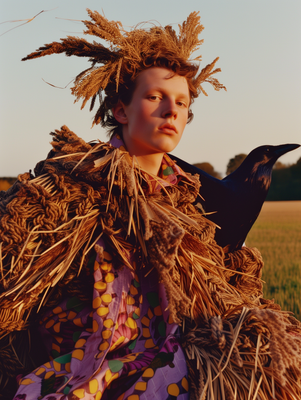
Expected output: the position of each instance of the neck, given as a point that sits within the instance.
(148, 160)
(150, 163)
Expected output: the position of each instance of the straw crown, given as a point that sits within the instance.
(128, 53)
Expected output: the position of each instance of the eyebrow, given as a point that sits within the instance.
(160, 89)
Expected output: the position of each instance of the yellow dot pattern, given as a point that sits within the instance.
(71, 315)
(48, 374)
(100, 286)
(95, 326)
(149, 344)
(109, 277)
(106, 299)
(79, 393)
(106, 266)
(106, 334)
(96, 302)
(146, 333)
(133, 290)
(40, 371)
(57, 366)
(26, 382)
(93, 386)
(131, 323)
(108, 323)
(130, 300)
(173, 390)
(80, 343)
(112, 334)
(141, 386)
(56, 347)
(103, 346)
(49, 324)
(101, 303)
(78, 354)
(148, 373)
(98, 395)
(118, 342)
(102, 311)
(185, 384)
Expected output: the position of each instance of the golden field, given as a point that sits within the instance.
(277, 234)
(6, 183)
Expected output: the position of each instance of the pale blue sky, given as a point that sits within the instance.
(258, 42)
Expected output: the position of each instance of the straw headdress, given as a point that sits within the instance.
(128, 53)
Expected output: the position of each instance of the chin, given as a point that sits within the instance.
(166, 147)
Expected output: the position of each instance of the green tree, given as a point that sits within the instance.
(280, 165)
(207, 167)
(235, 162)
(286, 183)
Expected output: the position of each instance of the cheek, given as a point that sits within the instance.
(146, 110)
(180, 137)
(184, 119)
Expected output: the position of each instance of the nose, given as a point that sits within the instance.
(170, 110)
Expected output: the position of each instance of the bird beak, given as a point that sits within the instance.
(285, 148)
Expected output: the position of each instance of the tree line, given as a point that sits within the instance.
(286, 179)
(286, 182)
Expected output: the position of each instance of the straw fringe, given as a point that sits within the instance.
(238, 345)
(199, 344)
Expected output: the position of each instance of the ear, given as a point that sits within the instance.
(119, 113)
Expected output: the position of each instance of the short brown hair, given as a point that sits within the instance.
(126, 90)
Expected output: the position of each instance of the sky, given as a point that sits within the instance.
(258, 42)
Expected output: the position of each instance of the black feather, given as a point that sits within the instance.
(237, 199)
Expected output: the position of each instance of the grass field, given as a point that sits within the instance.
(277, 234)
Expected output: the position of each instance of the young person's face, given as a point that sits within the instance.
(155, 119)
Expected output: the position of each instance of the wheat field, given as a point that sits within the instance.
(277, 234)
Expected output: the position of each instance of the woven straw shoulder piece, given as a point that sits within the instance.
(237, 344)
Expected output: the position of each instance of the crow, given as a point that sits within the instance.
(234, 202)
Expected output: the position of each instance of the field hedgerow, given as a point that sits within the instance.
(277, 234)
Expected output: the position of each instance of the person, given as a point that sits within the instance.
(109, 265)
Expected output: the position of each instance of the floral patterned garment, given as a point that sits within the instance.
(125, 346)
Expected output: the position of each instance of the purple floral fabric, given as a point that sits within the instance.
(124, 346)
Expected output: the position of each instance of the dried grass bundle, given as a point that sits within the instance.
(239, 346)
(128, 53)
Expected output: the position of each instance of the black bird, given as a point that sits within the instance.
(236, 200)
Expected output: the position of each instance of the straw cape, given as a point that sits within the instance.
(238, 345)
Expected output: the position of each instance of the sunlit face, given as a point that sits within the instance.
(155, 119)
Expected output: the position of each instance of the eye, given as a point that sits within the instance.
(181, 104)
(153, 97)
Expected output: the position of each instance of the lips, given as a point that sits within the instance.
(168, 128)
